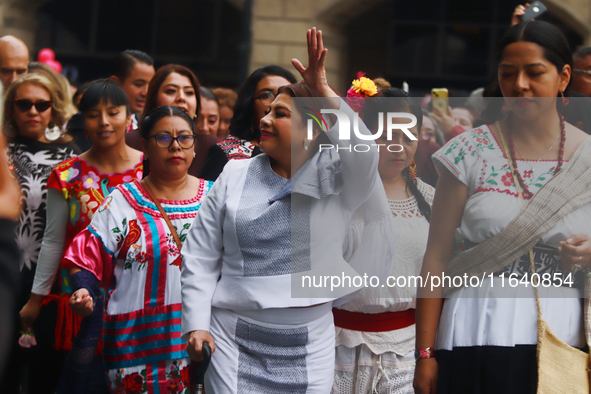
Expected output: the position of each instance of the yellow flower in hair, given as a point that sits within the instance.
(365, 86)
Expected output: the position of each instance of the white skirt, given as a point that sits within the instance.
(279, 350)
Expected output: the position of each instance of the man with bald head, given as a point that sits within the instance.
(14, 59)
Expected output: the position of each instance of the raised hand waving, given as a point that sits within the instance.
(315, 74)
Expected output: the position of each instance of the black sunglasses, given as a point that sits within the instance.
(26, 104)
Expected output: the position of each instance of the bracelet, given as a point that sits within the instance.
(424, 353)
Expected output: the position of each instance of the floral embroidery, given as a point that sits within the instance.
(184, 231)
(120, 234)
(69, 174)
(482, 141)
(178, 379)
(141, 258)
(507, 179)
(134, 383)
(91, 180)
(460, 156)
(74, 212)
(105, 204)
(173, 250)
(493, 174)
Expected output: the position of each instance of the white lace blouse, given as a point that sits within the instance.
(411, 229)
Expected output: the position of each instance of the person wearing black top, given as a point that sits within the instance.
(33, 119)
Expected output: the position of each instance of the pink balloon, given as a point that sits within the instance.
(57, 66)
(45, 55)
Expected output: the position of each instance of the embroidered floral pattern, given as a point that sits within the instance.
(105, 204)
(90, 180)
(178, 378)
(134, 383)
(173, 250)
(507, 179)
(129, 250)
(494, 173)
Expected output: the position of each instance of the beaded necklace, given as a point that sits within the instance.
(524, 187)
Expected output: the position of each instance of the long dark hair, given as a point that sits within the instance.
(403, 103)
(546, 35)
(242, 125)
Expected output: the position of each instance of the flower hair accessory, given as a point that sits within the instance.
(362, 87)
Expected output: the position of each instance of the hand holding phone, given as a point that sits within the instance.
(440, 98)
(534, 11)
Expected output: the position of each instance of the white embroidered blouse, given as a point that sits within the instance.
(411, 230)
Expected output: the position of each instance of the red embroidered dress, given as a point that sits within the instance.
(130, 247)
(84, 187)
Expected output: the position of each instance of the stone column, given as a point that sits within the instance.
(17, 18)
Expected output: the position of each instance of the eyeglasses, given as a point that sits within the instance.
(586, 72)
(266, 98)
(26, 104)
(164, 141)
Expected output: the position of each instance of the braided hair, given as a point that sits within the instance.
(403, 103)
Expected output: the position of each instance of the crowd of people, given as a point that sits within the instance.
(145, 215)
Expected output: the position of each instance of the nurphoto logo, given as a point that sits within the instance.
(345, 129)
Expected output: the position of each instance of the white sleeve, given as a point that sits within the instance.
(359, 169)
(202, 258)
(52, 248)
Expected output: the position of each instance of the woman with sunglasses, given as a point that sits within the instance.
(133, 246)
(76, 188)
(33, 119)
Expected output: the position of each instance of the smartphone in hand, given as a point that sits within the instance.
(532, 12)
(440, 98)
